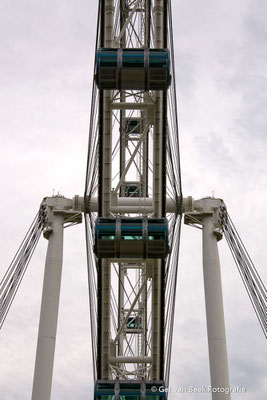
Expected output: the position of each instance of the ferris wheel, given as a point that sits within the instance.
(133, 198)
(133, 207)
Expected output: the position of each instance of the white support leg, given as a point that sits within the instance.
(214, 311)
(60, 210)
(204, 214)
(49, 313)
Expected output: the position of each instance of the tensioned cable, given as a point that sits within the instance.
(175, 135)
(91, 152)
(173, 165)
(90, 183)
(170, 298)
(92, 291)
(253, 283)
(11, 281)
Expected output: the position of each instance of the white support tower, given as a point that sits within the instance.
(60, 211)
(205, 215)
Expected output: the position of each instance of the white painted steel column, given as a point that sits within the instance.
(157, 133)
(105, 293)
(156, 328)
(105, 322)
(49, 313)
(121, 302)
(107, 139)
(214, 311)
(157, 199)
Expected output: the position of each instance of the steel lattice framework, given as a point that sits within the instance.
(133, 170)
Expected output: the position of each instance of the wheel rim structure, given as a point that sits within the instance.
(133, 174)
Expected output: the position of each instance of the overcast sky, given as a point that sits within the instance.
(46, 61)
